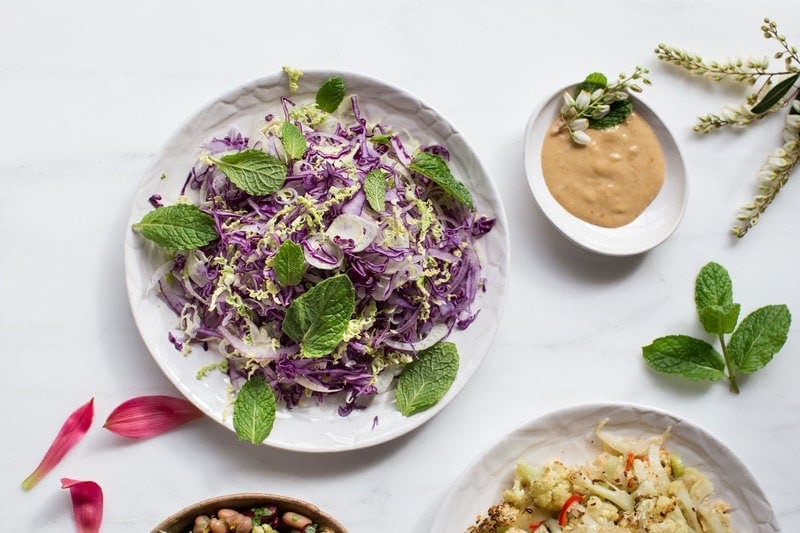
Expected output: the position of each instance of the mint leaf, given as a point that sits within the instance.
(253, 171)
(719, 319)
(686, 356)
(381, 138)
(427, 379)
(774, 95)
(288, 263)
(761, 335)
(712, 286)
(594, 81)
(178, 227)
(293, 140)
(254, 410)
(330, 94)
(435, 168)
(375, 189)
(616, 116)
(318, 318)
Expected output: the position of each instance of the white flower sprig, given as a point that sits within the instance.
(579, 111)
(778, 90)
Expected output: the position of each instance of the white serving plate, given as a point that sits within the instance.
(569, 435)
(658, 221)
(312, 428)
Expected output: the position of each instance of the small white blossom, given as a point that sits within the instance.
(793, 121)
(579, 124)
(581, 137)
(582, 102)
(601, 111)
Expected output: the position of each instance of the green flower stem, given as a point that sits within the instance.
(731, 372)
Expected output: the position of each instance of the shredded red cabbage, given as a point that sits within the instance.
(418, 271)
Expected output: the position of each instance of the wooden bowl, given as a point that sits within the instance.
(183, 520)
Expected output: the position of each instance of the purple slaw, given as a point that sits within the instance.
(413, 264)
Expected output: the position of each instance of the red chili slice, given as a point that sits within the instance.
(562, 515)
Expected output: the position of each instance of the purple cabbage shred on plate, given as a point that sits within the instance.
(412, 263)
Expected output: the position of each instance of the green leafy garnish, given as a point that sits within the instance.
(178, 227)
(288, 263)
(752, 344)
(598, 104)
(318, 318)
(775, 94)
(293, 141)
(330, 94)
(254, 410)
(680, 354)
(427, 379)
(435, 168)
(381, 138)
(375, 189)
(255, 172)
(594, 81)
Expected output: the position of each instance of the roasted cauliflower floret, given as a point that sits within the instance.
(499, 517)
(553, 488)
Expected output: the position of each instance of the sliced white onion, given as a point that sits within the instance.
(384, 380)
(321, 252)
(263, 351)
(437, 333)
(313, 385)
(625, 445)
(362, 231)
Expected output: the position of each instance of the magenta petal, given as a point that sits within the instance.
(148, 416)
(87, 504)
(74, 428)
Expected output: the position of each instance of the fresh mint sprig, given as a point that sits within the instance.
(318, 318)
(598, 105)
(178, 227)
(427, 379)
(254, 410)
(255, 172)
(435, 168)
(330, 94)
(752, 344)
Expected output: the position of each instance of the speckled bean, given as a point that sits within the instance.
(296, 520)
(218, 526)
(201, 524)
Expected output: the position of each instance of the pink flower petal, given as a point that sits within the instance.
(74, 428)
(87, 504)
(148, 416)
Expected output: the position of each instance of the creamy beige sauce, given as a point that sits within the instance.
(611, 180)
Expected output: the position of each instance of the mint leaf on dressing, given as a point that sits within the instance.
(288, 263)
(254, 410)
(178, 227)
(330, 94)
(435, 168)
(318, 318)
(427, 379)
(255, 172)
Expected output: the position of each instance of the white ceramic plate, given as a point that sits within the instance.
(312, 428)
(568, 435)
(649, 229)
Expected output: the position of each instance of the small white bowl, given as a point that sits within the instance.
(649, 229)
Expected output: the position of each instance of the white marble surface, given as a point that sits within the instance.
(91, 89)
